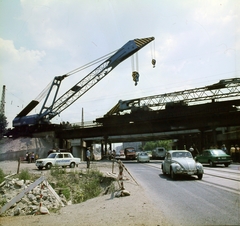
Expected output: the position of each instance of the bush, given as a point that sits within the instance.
(2, 175)
(77, 186)
(24, 175)
(57, 171)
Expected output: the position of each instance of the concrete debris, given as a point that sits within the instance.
(38, 200)
(122, 193)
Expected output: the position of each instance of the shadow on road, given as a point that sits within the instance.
(179, 178)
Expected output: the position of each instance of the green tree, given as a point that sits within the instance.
(167, 144)
(3, 125)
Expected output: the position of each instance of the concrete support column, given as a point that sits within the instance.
(105, 145)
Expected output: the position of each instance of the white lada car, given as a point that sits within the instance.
(63, 159)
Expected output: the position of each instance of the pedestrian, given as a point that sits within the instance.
(237, 153)
(113, 154)
(191, 149)
(27, 156)
(32, 157)
(109, 154)
(232, 152)
(88, 157)
(224, 148)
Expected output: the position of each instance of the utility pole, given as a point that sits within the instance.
(82, 122)
(3, 122)
(2, 109)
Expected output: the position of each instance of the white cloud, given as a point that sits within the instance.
(196, 43)
(18, 68)
(16, 57)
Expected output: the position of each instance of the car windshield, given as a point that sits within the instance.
(130, 150)
(52, 155)
(218, 152)
(143, 154)
(181, 155)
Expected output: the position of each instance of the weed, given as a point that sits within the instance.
(24, 175)
(3, 202)
(78, 186)
(57, 171)
(67, 193)
(2, 175)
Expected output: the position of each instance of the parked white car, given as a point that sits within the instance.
(63, 159)
(181, 162)
(143, 157)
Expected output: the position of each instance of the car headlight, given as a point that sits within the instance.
(178, 167)
(199, 166)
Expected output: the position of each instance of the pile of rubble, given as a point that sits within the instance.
(38, 200)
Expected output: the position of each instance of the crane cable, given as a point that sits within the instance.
(135, 74)
(153, 53)
(90, 64)
(46, 89)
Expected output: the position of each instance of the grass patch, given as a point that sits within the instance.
(24, 175)
(2, 175)
(57, 171)
(78, 186)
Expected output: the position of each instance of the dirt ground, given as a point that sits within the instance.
(136, 209)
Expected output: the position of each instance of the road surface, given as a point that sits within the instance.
(214, 200)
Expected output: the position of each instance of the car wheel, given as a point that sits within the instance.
(48, 166)
(163, 171)
(40, 167)
(226, 164)
(200, 176)
(173, 175)
(72, 165)
(211, 163)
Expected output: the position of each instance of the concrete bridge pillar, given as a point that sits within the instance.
(78, 147)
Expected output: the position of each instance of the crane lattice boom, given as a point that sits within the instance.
(56, 106)
(227, 89)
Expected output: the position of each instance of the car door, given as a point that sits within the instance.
(67, 159)
(204, 157)
(59, 159)
(167, 162)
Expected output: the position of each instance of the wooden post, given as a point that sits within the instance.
(19, 161)
(113, 166)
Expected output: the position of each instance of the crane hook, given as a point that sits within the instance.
(153, 63)
(135, 76)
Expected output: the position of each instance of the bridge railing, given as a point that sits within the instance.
(86, 124)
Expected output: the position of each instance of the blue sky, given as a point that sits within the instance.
(197, 43)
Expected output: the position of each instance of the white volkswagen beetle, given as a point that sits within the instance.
(181, 162)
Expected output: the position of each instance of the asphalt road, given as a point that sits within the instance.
(214, 200)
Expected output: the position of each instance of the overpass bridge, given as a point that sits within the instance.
(204, 116)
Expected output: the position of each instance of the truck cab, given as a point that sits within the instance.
(130, 153)
(159, 153)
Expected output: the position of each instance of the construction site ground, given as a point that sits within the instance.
(136, 209)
